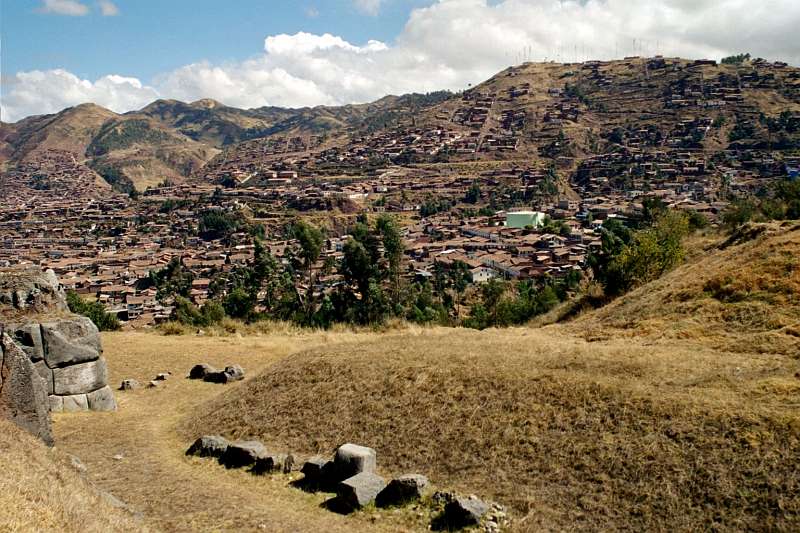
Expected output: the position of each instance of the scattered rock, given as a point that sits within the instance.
(118, 457)
(243, 453)
(402, 490)
(273, 463)
(464, 512)
(163, 376)
(129, 384)
(231, 373)
(208, 446)
(77, 464)
(102, 400)
(352, 459)
(153, 384)
(313, 468)
(201, 371)
(360, 490)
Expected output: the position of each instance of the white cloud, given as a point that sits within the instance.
(369, 7)
(453, 43)
(108, 8)
(312, 12)
(72, 8)
(40, 92)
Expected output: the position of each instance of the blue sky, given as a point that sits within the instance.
(123, 54)
(148, 37)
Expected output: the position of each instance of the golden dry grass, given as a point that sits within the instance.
(744, 297)
(41, 491)
(176, 493)
(571, 434)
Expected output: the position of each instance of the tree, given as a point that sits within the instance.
(393, 249)
(310, 239)
(473, 195)
(172, 280)
(94, 311)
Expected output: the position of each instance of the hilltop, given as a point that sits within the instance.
(543, 113)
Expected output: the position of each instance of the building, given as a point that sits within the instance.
(523, 219)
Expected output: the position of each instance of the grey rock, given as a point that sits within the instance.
(70, 340)
(163, 376)
(242, 453)
(31, 290)
(75, 403)
(352, 459)
(464, 512)
(404, 489)
(102, 400)
(81, 378)
(270, 463)
(231, 373)
(208, 446)
(77, 464)
(313, 468)
(357, 491)
(23, 393)
(29, 338)
(129, 384)
(56, 403)
(46, 374)
(201, 371)
(153, 384)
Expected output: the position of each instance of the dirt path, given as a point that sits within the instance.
(173, 492)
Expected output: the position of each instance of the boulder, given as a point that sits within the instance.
(201, 371)
(81, 378)
(75, 403)
(68, 341)
(208, 446)
(242, 453)
(102, 400)
(313, 468)
(129, 384)
(352, 459)
(273, 463)
(231, 373)
(463, 512)
(163, 376)
(360, 490)
(402, 490)
(23, 393)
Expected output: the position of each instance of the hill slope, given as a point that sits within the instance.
(613, 432)
(39, 490)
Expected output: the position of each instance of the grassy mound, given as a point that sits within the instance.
(569, 433)
(740, 295)
(40, 491)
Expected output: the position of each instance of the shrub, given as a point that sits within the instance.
(94, 311)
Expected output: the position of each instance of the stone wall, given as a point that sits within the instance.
(64, 348)
(23, 394)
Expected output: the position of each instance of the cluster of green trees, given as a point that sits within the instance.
(736, 60)
(632, 256)
(94, 311)
(779, 202)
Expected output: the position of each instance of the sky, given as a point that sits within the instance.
(123, 54)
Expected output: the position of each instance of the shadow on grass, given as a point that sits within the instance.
(336, 505)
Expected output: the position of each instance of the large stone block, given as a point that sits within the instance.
(208, 446)
(102, 400)
(69, 341)
(79, 379)
(242, 453)
(75, 403)
(360, 490)
(352, 459)
(23, 396)
(402, 490)
(31, 291)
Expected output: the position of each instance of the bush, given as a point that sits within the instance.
(94, 311)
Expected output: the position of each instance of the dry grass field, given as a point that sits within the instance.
(676, 407)
(40, 490)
